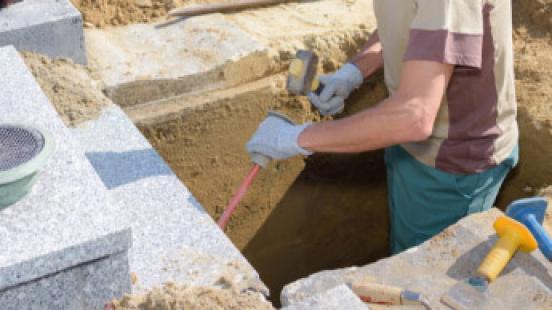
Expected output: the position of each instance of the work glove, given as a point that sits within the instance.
(276, 138)
(337, 87)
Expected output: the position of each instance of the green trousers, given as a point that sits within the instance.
(423, 200)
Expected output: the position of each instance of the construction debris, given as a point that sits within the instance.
(174, 297)
(74, 94)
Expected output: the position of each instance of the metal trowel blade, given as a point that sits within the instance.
(302, 71)
(470, 294)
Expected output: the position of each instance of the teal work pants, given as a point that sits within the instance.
(423, 200)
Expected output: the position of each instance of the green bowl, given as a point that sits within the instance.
(17, 182)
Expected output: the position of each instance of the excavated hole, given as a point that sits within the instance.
(301, 216)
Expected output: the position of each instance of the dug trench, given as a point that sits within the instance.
(301, 215)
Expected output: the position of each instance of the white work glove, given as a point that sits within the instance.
(276, 138)
(337, 87)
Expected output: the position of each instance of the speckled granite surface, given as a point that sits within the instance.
(50, 27)
(439, 263)
(68, 219)
(174, 239)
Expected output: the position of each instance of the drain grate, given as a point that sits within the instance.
(18, 145)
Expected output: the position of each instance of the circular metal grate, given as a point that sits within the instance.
(18, 145)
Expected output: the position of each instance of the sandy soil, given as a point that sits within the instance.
(175, 297)
(533, 60)
(299, 216)
(102, 13)
(74, 94)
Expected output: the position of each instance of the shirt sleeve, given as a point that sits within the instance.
(447, 31)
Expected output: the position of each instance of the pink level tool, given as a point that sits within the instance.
(223, 220)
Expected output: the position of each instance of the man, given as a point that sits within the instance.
(449, 126)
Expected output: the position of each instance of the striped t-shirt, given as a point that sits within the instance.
(476, 125)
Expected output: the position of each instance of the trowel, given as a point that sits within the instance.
(473, 293)
(259, 161)
(375, 293)
(303, 74)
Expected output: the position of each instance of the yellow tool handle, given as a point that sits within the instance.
(296, 68)
(499, 256)
(315, 84)
(377, 293)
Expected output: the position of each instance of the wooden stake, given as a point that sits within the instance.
(223, 7)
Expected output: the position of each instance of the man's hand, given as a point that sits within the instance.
(337, 87)
(276, 138)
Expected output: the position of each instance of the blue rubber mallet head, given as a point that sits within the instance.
(530, 212)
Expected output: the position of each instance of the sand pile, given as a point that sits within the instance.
(175, 297)
(122, 12)
(101, 13)
(74, 94)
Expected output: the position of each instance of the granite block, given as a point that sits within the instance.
(339, 297)
(174, 239)
(69, 218)
(103, 280)
(50, 27)
(202, 53)
(439, 263)
(88, 286)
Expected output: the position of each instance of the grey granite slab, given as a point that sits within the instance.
(200, 53)
(339, 297)
(87, 287)
(69, 217)
(50, 27)
(439, 263)
(174, 239)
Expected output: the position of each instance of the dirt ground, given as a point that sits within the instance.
(103, 13)
(533, 60)
(299, 216)
(74, 94)
(175, 297)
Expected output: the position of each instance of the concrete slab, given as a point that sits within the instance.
(339, 297)
(142, 62)
(87, 286)
(174, 239)
(69, 218)
(335, 29)
(147, 62)
(435, 266)
(49, 27)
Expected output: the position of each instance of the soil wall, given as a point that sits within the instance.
(300, 216)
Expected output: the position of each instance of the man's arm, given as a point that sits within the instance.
(370, 58)
(407, 116)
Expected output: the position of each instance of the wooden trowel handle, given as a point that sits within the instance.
(223, 7)
(374, 293)
(377, 293)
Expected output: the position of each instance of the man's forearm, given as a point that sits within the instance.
(370, 58)
(407, 116)
(391, 122)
